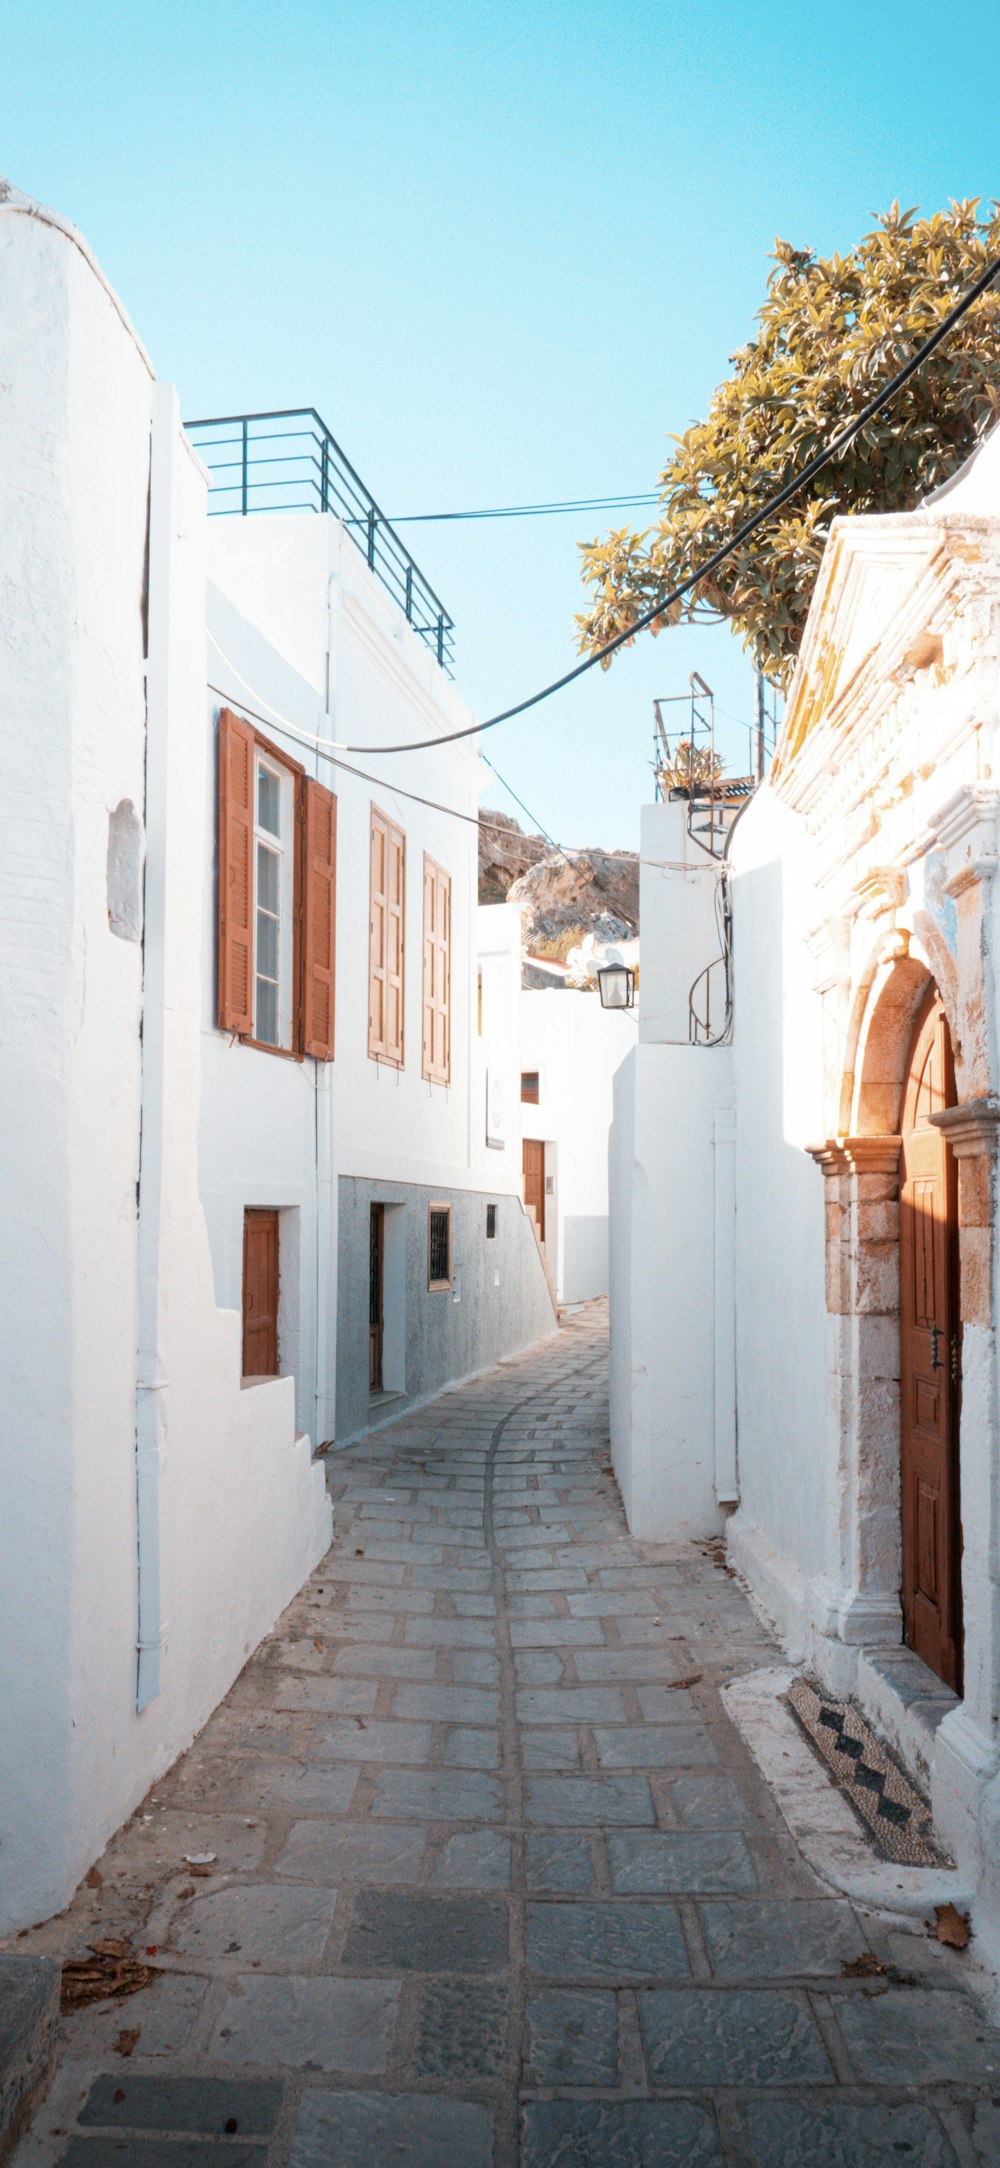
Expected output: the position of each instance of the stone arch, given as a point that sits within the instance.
(863, 1285)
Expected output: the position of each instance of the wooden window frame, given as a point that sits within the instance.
(269, 1213)
(378, 1049)
(438, 1286)
(302, 785)
(434, 943)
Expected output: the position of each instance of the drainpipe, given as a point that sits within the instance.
(324, 1197)
(150, 1410)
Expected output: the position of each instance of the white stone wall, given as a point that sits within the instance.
(671, 1220)
(99, 1133)
(575, 1046)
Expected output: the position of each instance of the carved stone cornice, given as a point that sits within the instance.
(873, 1155)
(972, 1129)
(969, 818)
(857, 1155)
(831, 1156)
(882, 889)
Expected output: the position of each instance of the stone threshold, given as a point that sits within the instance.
(820, 1819)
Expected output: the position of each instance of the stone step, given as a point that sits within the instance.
(29, 2013)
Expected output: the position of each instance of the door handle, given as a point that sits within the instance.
(936, 1363)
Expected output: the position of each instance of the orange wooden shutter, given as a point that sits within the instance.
(387, 936)
(437, 974)
(319, 905)
(236, 772)
(376, 938)
(395, 929)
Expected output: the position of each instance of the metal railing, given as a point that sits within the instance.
(288, 461)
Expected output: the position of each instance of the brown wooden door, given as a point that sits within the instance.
(376, 1251)
(534, 1181)
(930, 1356)
(260, 1294)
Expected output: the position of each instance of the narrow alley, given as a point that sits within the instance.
(472, 1868)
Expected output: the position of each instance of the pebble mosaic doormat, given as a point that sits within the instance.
(892, 1811)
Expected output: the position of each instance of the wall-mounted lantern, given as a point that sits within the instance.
(616, 984)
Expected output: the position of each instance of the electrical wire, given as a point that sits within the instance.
(517, 511)
(749, 526)
(324, 747)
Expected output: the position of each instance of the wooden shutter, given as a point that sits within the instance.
(437, 974)
(387, 934)
(236, 773)
(260, 1294)
(319, 910)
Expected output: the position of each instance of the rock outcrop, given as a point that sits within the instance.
(562, 894)
(505, 852)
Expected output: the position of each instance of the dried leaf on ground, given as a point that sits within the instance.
(677, 1685)
(953, 1926)
(106, 1974)
(93, 1878)
(865, 1967)
(126, 2041)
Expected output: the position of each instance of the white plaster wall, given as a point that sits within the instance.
(678, 885)
(576, 1046)
(242, 1513)
(74, 451)
(787, 1519)
(383, 689)
(664, 1268)
(496, 1050)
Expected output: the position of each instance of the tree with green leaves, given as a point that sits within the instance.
(832, 331)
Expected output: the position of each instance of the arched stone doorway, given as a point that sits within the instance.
(895, 1332)
(930, 1351)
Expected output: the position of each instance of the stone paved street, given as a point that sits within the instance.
(493, 1878)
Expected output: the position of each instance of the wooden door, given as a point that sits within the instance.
(534, 1181)
(930, 1356)
(376, 1252)
(260, 1294)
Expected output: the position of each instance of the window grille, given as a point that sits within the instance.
(439, 1246)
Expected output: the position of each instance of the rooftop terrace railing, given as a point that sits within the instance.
(287, 461)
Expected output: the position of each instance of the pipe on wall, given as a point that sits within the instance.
(150, 1413)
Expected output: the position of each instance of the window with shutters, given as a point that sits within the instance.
(438, 1246)
(386, 941)
(437, 974)
(277, 896)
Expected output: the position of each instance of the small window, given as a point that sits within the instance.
(273, 899)
(529, 1087)
(491, 1222)
(439, 1246)
(260, 1294)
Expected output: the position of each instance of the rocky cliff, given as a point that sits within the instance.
(562, 894)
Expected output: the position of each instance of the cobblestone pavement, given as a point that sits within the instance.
(493, 1878)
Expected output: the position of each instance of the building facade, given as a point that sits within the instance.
(836, 1151)
(244, 1154)
(570, 1049)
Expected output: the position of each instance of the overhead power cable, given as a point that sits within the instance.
(274, 719)
(637, 498)
(718, 557)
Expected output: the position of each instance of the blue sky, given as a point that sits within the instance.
(504, 251)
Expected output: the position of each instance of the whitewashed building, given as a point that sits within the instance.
(804, 1283)
(249, 1203)
(570, 1049)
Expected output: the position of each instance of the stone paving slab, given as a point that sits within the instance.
(491, 1880)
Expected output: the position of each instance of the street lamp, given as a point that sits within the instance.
(616, 985)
